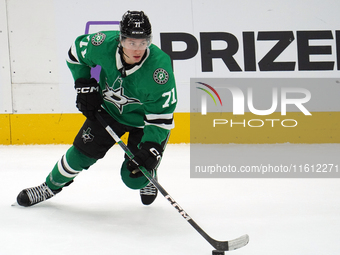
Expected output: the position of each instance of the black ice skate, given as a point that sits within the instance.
(148, 194)
(34, 195)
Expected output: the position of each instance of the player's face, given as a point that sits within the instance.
(134, 49)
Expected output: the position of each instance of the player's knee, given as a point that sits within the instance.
(77, 160)
(132, 183)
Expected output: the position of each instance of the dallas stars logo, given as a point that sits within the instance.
(98, 39)
(87, 136)
(161, 76)
(117, 97)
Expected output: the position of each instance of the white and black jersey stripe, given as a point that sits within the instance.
(72, 56)
(165, 121)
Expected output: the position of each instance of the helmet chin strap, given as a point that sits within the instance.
(122, 51)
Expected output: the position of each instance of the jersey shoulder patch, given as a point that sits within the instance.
(98, 39)
(160, 76)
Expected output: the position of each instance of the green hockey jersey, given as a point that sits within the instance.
(145, 96)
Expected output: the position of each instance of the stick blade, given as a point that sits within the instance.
(229, 245)
(238, 242)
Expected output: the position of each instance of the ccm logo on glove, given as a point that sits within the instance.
(89, 99)
(156, 153)
(85, 90)
(148, 156)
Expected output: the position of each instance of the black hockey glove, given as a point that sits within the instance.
(148, 156)
(88, 97)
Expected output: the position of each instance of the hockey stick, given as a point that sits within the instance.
(218, 245)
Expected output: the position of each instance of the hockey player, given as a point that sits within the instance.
(136, 93)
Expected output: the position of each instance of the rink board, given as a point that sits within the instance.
(323, 127)
(62, 128)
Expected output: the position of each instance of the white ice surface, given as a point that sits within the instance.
(98, 215)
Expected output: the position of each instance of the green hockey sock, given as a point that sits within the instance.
(68, 167)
